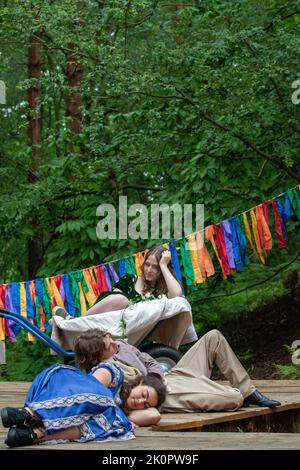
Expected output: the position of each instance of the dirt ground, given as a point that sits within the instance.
(259, 338)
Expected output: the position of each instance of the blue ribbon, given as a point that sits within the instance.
(176, 263)
(122, 269)
(69, 302)
(239, 244)
(284, 217)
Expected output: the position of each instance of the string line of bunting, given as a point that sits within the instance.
(228, 241)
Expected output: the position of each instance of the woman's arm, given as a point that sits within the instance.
(103, 375)
(174, 288)
(145, 417)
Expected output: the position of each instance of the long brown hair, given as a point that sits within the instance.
(160, 285)
(88, 348)
(150, 381)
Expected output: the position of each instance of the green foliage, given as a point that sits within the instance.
(179, 105)
(25, 360)
(193, 103)
(291, 371)
(217, 301)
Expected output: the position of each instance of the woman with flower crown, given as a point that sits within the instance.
(158, 279)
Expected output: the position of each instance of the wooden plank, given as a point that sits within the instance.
(185, 441)
(259, 383)
(266, 383)
(198, 420)
(13, 394)
(2, 352)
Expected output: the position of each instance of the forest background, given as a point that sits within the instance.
(165, 102)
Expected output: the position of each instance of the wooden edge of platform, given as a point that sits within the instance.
(189, 421)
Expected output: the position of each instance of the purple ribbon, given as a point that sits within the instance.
(106, 276)
(113, 273)
(9, 306)
(227, 233)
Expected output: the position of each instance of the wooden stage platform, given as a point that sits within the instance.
(247, 428)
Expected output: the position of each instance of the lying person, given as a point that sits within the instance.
(189, 387)
(66, 404)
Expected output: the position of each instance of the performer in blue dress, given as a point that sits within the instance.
(66, 404)
(64, 396)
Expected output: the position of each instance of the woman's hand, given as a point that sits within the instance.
(134, 425)
(145, 417)
(173, 286)
(165, 258)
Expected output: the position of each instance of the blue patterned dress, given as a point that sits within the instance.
(64, 396)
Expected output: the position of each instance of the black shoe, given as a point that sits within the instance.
(21, 435)
(16, 416)
(258, 399)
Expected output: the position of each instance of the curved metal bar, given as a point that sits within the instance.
(27, 325)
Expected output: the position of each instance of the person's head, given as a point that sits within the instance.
(148, 393)
(151, 272)
(92, 347)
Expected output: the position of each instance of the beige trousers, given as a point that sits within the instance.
(189, 386)
(173, 331)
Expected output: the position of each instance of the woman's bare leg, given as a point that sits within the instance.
(66, 434)
(109, 304)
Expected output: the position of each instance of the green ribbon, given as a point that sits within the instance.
(240, 221)
(187, 265)
(130, 266)
(74, 279)
(47, 304)
(293, 195)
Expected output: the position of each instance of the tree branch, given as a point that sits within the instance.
(249, 143)
(252, 285)
(140, 186)
(254, 52)
(282, 18)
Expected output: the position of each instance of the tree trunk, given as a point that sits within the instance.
(74, 74)
(73, 103)
(177, 34)
(35, 243)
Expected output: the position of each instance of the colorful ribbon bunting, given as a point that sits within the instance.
(79, 290)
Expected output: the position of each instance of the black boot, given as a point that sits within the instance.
(21, 435)
(258, 399)
(16, 416)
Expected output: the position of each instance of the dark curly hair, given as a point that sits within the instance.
(160, 285)
(88, 347)
(150, 381)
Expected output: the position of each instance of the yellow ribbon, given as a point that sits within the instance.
(23, 300)
(138, 261)
(32, 294)
(194, 259)
(256, 236)
(50, 289)
(248, 233)
(81, 299)
(90, 294)
(23, 306)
